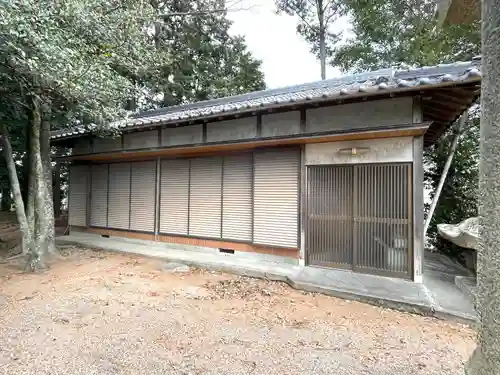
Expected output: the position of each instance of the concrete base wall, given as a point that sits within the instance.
(241, 250)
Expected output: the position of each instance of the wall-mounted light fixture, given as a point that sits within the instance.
(354, 150)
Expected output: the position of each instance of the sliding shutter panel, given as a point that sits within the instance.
(99, 196)
(119, 196)
(237, 197)
(205, 197)
(142, 196)
(276, 188)
(174, 196)
(78, 193)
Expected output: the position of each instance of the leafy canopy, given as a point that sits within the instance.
(206, 62)
(401, 33)
(81, 54)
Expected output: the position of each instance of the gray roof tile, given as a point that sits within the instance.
(380, 81)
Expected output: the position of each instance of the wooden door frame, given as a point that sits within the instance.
(405, 275)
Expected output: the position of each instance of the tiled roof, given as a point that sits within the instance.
(355, 85)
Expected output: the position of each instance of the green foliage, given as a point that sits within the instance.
(401, 33)
(458, 200)
(80, 55)
(87, 59)
(206, 61)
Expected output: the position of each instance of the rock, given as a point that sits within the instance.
(195, 292)
(464, 234)
(175, 268)
(62, 320)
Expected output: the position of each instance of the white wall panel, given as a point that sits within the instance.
(386, 150)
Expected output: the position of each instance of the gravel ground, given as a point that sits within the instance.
(102, 313)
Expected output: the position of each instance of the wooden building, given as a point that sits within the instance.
(328, 173)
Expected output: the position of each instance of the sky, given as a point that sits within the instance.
(273, 39)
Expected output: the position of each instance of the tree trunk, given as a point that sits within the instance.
(29, 179)
(36, 260)
(6, 199)
(30, 195)
(322, 38)
(486, 357)
(460, 130)
(26, 167)
(27, 239)
(49, 221)
(168, 99)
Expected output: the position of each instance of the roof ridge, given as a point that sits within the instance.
(346, 79)
(351, 85)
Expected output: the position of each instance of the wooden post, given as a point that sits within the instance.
(460, 129)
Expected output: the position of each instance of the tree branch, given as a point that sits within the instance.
(327, 4)
(301, 17)
(114, 9)
(313, 3)
(204, 12)
(328, 19)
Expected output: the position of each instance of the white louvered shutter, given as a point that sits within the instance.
(174, 196)
(205, 201)
(119, 196)
(237, 197)
(142, 196)
(78, 194)
(99, 196)
(276, 188)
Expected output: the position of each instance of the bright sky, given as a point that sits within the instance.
(272, 38)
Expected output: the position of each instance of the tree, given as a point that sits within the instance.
(72, 59)
(401, 33)
(315, 20)
(206, 61)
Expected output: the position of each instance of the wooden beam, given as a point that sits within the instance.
(442, 113)
(444, 104)
(187, 151)
(448, 95)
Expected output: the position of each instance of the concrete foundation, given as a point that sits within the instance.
(437, 296)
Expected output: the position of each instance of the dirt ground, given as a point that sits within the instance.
(101, 313)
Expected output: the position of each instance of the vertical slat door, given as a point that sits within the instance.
(382, 218)
(119, 196)
(276, 193)
(205, 199)
(237, 197)
(143, 196)
(174, 196)
(78, 194)
(359, 217)
(99, 196)
(329, 239)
